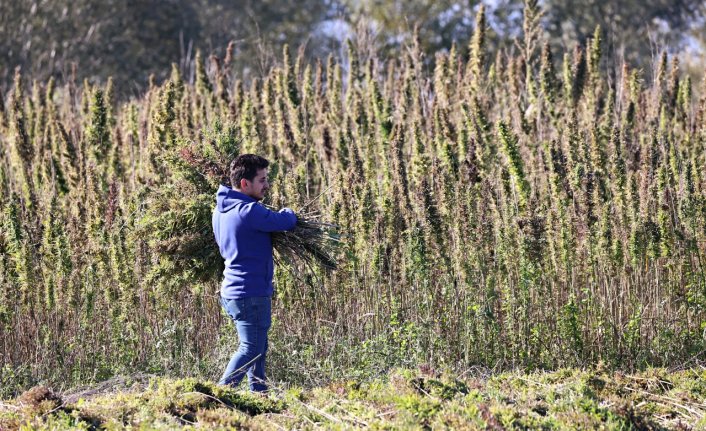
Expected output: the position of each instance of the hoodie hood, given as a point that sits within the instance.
(227, 198)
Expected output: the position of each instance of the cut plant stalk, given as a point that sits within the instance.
(312, 242)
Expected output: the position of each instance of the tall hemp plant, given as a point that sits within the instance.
(521, 207)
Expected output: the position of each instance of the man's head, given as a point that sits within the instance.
(248, 175)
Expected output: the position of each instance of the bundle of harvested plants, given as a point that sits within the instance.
(312, 242)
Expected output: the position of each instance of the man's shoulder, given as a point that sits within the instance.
(250, 211)
(240, 209)
(249, 208)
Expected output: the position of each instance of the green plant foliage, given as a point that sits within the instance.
(572, 232)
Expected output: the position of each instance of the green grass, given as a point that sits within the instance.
(655, 399)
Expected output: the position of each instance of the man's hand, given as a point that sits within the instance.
(290, 211)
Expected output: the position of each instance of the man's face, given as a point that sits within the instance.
(256, 188)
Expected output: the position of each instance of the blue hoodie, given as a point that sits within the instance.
(242, 228)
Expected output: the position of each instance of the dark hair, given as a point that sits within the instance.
(246, 166)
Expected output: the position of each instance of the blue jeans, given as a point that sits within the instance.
(252, 317)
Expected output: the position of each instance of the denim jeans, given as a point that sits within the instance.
(252, 317)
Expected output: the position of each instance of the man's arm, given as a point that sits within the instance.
(258, 217)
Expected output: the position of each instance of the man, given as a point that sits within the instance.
(242, 229)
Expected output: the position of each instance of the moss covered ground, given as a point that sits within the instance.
(655, 399)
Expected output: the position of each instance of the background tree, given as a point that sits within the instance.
(439, 23)
(131, 40)
(639, 30)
